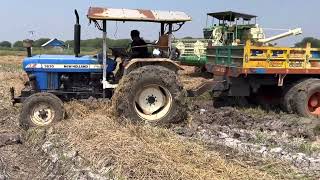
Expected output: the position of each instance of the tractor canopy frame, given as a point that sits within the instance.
(169, 18)
(110, 14)
(231, 17)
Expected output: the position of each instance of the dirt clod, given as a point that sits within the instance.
(9, 139)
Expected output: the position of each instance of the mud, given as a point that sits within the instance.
(295, 127)
(9, 139)
(256, 132)
(18, 159)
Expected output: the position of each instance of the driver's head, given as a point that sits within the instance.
(135, 34)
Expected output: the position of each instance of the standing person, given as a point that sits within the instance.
(138, 45)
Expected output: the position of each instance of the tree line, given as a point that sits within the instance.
(97, 43)
(19, 44)
(89, 43)
(315, 43)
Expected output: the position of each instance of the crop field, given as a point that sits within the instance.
(241, 141)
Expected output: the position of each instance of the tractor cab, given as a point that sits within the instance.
(162, 49)
(166, 19)
(61, 73)
(231, 28)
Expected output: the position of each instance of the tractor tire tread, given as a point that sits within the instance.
(125, 93)
(24, 119)
(290, 91)
(301, 98)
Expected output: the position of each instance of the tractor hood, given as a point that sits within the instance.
(61, 63)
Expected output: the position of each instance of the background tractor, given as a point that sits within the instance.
(225, 29)
(142, 89)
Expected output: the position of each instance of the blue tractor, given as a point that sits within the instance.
(142, 89)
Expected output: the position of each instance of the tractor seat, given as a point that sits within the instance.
(163, 43)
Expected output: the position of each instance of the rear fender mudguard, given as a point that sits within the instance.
(136, 63)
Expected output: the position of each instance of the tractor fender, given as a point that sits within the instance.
(137, 63)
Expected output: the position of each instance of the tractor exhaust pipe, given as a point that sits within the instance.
(28, 45)
(77, 35)
(29, 53)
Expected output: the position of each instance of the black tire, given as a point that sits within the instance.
(124, 101)
(28, 117)
(301, 99)
(290, 91)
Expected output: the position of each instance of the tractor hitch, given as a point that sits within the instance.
(13, 99)
(209, 85)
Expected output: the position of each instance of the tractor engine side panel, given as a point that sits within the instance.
(44, 80)
(46, 70)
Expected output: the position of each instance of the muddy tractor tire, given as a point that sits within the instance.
(41, 110)
(289, 93)
(307, 100)
(152, 95)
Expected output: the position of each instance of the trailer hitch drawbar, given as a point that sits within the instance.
(210, 85)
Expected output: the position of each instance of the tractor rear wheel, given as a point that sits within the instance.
(41, 110)
(150, 94)
(307, 100)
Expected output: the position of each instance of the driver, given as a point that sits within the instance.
(138, 45)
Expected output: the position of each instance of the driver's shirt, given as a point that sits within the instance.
(139, 52)
(111, 64)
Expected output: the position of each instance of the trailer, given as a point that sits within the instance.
(244, 63)
(290, 76)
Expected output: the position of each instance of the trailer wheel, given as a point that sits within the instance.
(150, 94)
(41, 110)
(307, 100)
(289, 93)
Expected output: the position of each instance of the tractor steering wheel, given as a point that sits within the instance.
(119, 52)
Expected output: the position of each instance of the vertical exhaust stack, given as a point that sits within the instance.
(77, 35)
(28, 45)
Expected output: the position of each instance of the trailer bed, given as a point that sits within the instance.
(249, 59)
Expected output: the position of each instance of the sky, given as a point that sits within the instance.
(55, 18)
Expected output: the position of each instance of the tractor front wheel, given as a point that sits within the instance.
(41, 110)
(150, 94)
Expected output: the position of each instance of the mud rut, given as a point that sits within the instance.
(251, 133)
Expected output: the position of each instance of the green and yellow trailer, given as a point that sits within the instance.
(289, 75)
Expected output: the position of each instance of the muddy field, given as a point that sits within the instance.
(240, 142)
